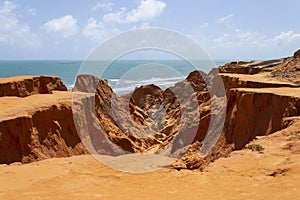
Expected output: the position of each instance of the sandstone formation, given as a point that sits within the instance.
(149, 118)
(256, 112)
(262, 97)
(23, 86)
(289, 70)
(232, 80)
(39, 126)
(251, 67)
(285, 70)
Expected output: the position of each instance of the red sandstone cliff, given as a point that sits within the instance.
(39, 126)
(28, 85)
(260, 96)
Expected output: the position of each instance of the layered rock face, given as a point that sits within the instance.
(28, 85)
(144, 120)
(289, 70)
(166, 122)
(39, 126)
(256, 112)
(106, 118)
(280, 71)
(260, 100)
(252, 67)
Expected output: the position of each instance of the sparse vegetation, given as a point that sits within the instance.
(256, 147)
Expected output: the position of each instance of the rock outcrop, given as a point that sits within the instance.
(285, 70)
(37, 127)
(23, 86)
(252, 81)
(252, 67)
(36, 121)
(289, 70)
(261, 95)
(256, 112)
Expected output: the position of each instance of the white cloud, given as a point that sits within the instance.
(226, 18)
(144, 25)
(259, 40)
(286, 37)
(66, 25)
(147, 10)
(7, 7)
(103, 6)
(97, 31)
(12, 32)
(224, 39)
(8, 19)
(204, 25)
(30, 11)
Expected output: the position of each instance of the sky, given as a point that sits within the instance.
(226, 29)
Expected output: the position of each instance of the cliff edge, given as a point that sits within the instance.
(36, 121)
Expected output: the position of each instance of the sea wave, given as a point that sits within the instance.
(123, 86)
(70, 86)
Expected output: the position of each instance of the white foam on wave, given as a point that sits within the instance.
(70, 86)
(113, 80)
(123, 86)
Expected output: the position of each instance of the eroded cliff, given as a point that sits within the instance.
(38, 126)
(174, 122)
(23, 86)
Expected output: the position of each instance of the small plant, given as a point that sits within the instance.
(255, 147)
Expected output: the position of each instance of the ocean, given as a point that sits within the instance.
(122, 75)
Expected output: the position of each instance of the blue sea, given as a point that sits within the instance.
(122, 75)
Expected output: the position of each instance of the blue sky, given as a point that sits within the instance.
(231, 29)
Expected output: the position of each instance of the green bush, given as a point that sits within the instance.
(255, 147)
